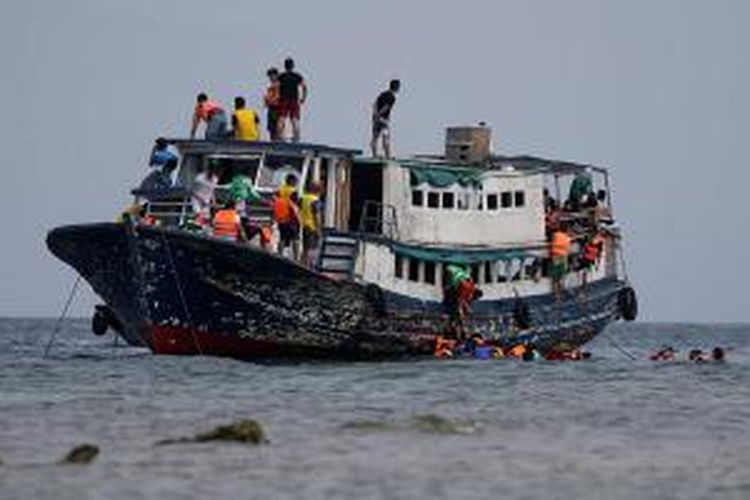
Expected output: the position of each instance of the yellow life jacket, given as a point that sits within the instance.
(307, 212)
(246, 126)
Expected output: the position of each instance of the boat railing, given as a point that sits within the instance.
(379, 218)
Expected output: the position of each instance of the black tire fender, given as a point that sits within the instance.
(628, 303)
(99, 323)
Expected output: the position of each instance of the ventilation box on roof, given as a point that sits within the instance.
(467, 144)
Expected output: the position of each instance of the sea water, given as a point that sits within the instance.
(611, 427)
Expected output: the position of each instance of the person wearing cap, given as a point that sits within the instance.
(213, 115)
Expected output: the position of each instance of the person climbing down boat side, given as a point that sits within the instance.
(245, 122)
(214, 117)
(227, 224)
(559, 253)
(459, 292)
(381, 118)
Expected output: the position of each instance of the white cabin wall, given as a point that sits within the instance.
(501, 227)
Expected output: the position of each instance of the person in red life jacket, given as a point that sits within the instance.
(459, 293)
(592, 252)
(271, 101)
(227, 224)
(213, 115)
(286, 216)
(292, 95)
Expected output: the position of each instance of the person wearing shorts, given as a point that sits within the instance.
(292, 94)
(381, 117)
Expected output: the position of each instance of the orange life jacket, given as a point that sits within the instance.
(560, 245)
(517, 351)
(283, 210)
(227, 223)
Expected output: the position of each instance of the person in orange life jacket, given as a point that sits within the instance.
(213, 115)
(310, 215)
(227, 224)
(245, 122)
(559, 251)
(286, 215)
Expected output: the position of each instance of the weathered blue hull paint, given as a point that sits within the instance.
(181, 293)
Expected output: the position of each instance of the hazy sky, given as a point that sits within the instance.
(657, 90)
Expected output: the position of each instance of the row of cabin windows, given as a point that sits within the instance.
(449, 200)
(502, 271)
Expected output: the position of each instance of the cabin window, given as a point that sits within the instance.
(488, 272)
(417, 198)
(501, 268)
(449, 200)
(532, 269)
(399, 266)
(514, 270)
(519, 198)
(429, 272)
(480, 201)
(506, 199)
(492, 201)
(433, 199)
(475, 272)
(464, 200)
(413, 270)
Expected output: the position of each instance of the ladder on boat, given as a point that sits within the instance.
(338, 254)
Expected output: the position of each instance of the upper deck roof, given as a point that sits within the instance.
(200, 146)
(522, 163)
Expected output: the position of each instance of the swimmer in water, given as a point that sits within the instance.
(665, 354)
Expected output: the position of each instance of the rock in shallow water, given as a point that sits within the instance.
(243, 431)
(81, 455)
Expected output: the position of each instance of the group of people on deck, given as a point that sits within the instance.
(297, 215)
(584, 218)
(284, 97)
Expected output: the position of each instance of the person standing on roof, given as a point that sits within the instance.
(214, 116)
(245, 122)
(292, 95)
(271, 100)
(381, 118)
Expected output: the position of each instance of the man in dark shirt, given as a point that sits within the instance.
(292, 94)
(381, 116)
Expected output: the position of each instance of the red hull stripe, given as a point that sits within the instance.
(181, 340)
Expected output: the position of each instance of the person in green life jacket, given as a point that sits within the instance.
(581, 188)
(243, 193)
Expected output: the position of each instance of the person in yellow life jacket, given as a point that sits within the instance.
(559, 251)
(245, 122)
(286, 216)
(310, 216)
(227, 224)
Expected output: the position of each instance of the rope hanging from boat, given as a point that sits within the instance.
(181, 294)
(64, 313)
